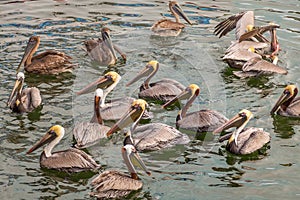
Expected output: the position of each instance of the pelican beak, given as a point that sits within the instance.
(108, 42)
(235, 121)
(183, 95)
(131, 159)
(283, 98)
(31, 46)
(143, 73)
(103, 82)
(17, 87)
(274, 42)
(131, 116)
(48, 137)
(177, 9)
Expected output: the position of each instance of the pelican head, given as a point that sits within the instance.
(53, 136)
(177, 11)
(192, 91)
(149, 71)
(32, 45)
(239, 121)
(105, 32)
(286, 98)
(17, 88)
(131, 158)
(133, 115)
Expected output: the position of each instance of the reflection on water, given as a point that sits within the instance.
(201, 168)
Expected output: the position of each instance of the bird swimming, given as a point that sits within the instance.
(243, 140)
(149, 137)
(199, 121)
(69, 160)
(48, 62)
(114, 109)
(103, 50)
(114, 184)
(27, 99)
(166, 27)
(162, 90)
(288, 104)
(87, 134)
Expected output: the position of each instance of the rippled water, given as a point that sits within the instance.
(200, 170)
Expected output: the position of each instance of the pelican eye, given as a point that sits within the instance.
(286, 92)
(52, 133)
(108, 77)
(243, 115)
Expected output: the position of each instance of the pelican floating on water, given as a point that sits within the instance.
(114, 184)
(288, 104)
(199, 121)
(26, 100)
(243, 141)
(114, 109)
(88, 133)
(70, 160)
(258, 66)
(166, 27)
(149, 137)
(103, 50)
(48, 62)
(162, 90)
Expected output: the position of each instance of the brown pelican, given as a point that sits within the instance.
(70, 160)
(288, 104)
(26, 100)
(103, 50)
(199, 121)
(88, 133)
(258, 66)
(149, 137)
(114, 109)
(114, 184)
(243, 141)
(166, 27)
(48, 62)
(162, 90)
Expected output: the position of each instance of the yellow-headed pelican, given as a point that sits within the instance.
(114, 109)
(162, 90)
(114, 184)
(88, 133)
(70, 160)
(103, 50)
(288, 104)
(149, 137)
(166, 27)
(199, 121)
(243, 141)
(48, 62)
(26, 100)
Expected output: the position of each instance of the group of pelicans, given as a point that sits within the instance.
(250, 52)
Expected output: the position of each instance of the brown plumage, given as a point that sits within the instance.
(243, 141)
(26, 100)
(166, 27)
(70, 160)
(103, 50)
(162, 90)
(48, 62)
(87, 134)
(288, 104)
(199, 121)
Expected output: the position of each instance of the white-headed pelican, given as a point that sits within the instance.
(70, 160)
(162, 90)
(48, 62)
(88, 133)
(288, 104)
(243, 141)
(199, 121)
(26, 100)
